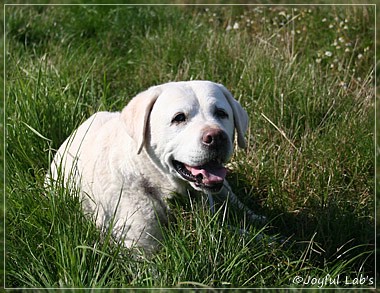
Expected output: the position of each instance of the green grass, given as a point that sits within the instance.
(305, 76)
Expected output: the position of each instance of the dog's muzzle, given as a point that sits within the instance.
(209, 174)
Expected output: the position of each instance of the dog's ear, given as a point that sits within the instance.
(240, 117)
(136, 115)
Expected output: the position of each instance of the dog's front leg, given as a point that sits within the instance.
(227, 194)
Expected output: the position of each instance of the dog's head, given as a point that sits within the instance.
(187, 129)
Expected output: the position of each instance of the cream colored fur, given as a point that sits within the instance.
(122, 162)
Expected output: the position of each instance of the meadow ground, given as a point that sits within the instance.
(305, 76)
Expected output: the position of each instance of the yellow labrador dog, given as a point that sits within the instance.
(128, 164)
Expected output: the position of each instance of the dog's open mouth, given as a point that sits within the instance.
(208, 177)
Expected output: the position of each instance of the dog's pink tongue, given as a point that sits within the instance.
(210, 174)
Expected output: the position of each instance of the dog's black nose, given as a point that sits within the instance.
(214, 137)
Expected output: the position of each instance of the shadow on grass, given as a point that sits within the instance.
(338, 230)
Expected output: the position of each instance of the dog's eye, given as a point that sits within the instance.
(220, 113)
(179, 117)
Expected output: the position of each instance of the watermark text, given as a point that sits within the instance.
(338, 281)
